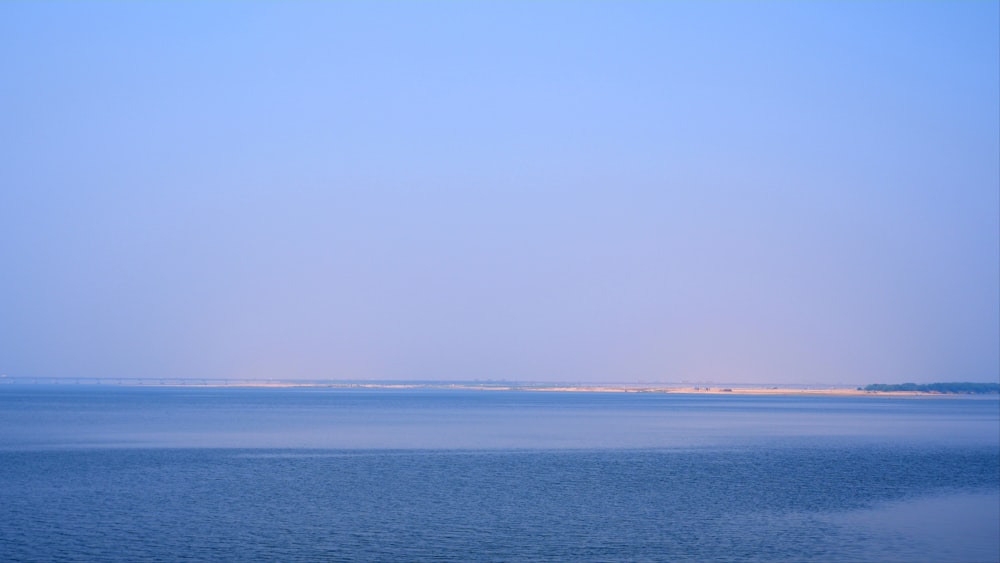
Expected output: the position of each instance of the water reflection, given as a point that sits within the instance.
(960, 527)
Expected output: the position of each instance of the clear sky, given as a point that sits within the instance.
(552, 191)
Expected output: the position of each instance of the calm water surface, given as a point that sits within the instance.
(90, 473)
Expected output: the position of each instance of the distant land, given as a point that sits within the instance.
(881, 389)
(957, 387)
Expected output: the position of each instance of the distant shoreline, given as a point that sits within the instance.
(662, 389)
(674, 389)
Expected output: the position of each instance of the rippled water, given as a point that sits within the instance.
(317, 475)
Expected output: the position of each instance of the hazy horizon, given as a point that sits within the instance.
(559, 192)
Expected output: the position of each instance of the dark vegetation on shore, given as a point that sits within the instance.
(958, 387)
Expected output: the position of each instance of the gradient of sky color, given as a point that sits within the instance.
(554, 191)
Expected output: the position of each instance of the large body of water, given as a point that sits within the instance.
(102, 473)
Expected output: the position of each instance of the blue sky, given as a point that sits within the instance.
(554, 191)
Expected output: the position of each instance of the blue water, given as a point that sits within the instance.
(91, 473)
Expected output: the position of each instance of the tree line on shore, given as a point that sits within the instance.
(956, 387)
